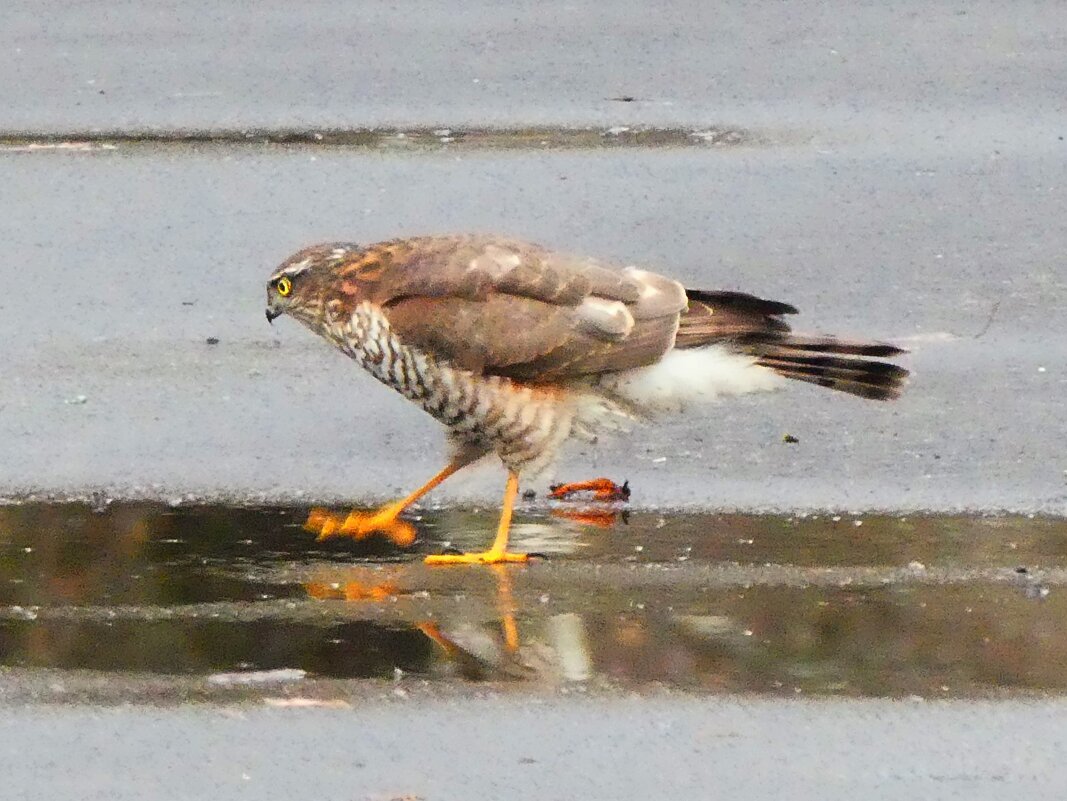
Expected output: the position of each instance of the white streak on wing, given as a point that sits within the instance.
(605, 317)
(686, 377)
(495, 261)
(659, 295)
(645, 280)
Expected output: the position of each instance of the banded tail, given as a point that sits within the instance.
(755, 327)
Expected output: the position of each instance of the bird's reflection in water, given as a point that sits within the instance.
(597, 517)
(599, 504)
(474, 654)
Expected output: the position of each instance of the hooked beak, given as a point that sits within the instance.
(273, 314)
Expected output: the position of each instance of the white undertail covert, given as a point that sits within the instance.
(685, 378)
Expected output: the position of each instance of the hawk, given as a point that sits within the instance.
(516, 348)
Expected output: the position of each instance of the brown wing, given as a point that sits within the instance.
(511, 308)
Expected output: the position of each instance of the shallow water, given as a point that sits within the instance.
(933, 606)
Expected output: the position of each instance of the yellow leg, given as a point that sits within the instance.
(499, 550)
(360, 525)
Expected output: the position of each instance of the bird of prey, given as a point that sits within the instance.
(516, 348)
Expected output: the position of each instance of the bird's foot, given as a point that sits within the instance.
(483, 558)
(360, 525)
(602, 489)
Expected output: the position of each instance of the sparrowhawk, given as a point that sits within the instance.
(516, 348)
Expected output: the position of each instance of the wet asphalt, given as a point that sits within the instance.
(895, 171)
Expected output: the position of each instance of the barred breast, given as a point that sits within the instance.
(523, 424)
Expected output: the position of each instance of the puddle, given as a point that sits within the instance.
(938, 606)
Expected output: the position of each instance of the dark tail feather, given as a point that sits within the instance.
(807, 359)
(835, 345)
(755, 326)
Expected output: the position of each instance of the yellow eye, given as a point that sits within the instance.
(284, 286)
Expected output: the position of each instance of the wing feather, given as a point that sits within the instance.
(503, 307)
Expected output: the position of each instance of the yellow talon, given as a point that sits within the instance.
(360, 525)
(498, 553)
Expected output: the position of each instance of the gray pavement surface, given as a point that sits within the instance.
(121, 264)
(901, 177)
(542, 748)
(991, 70)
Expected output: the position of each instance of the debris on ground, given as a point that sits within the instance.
(303, 703)
(602, 489)
(257, 677)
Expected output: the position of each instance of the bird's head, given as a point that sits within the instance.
(297, 286)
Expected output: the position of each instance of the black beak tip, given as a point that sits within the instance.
(271, 315)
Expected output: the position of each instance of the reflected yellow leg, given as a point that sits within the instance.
(499, 550)
(505, 603)
(433, 631)
(360, 525)
(505, 607)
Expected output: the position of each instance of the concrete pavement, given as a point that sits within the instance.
(901, 176)
(900, 71)
(136, 257)
(542, 748)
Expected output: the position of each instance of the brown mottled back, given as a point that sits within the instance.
(500, 307)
